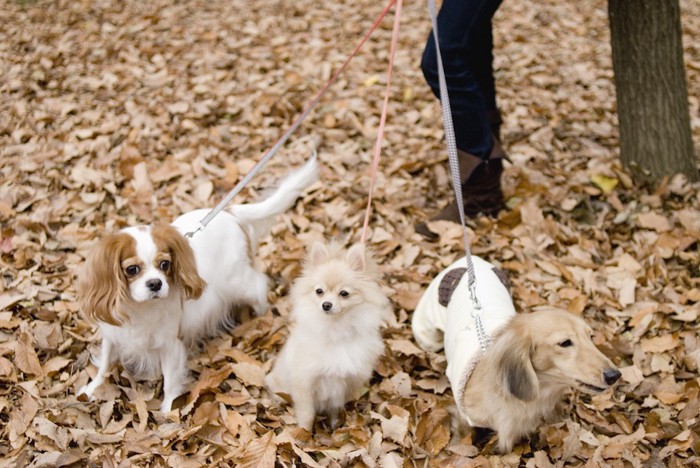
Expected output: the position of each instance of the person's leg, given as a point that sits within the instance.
(464, 27)
(480, 59)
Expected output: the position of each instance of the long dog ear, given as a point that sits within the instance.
(101, 284)
(513, 351)
(184, 266)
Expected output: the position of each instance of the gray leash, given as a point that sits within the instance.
(242, 183)
(477, 312)
(223, 203)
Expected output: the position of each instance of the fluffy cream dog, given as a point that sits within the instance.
(533, 360)
(335, 341)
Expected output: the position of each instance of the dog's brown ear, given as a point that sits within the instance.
(518, 377)
(101, 284)
(184, 265)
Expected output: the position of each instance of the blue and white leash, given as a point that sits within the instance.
(477, 311)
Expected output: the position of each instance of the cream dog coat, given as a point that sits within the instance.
(443, 317)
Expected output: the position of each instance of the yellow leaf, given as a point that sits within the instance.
(605, 183)
(374, 79)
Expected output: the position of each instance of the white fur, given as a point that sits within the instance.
(146, 249)
(161, 325)
(148, 346)
(331, 352)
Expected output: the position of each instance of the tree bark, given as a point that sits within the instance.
(652, 94)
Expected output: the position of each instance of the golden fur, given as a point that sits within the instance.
(102, 287)
(531, 363)
(184, 268)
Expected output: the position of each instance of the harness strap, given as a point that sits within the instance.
(448, 285)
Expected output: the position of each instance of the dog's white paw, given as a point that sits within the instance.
(166, 406)
(88, 390)
(261, 308)
(279, 395)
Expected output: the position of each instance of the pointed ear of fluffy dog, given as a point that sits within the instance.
(318, 253)
(356, 258)
(513, 352)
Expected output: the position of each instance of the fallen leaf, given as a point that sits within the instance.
(249, 374)
(259, 453)
(404, 347)
(26, 358)
(604, 183)
(655, 221)
(433, 430)
(395, 427)
(659, 344)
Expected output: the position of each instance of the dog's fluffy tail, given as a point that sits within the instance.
(258, 217)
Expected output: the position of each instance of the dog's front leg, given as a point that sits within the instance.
(273, 382)
(173, 360)
(303, 397)
(105, 362)
(334, 418)
(428, 323)
(258, 298)
(460, 427)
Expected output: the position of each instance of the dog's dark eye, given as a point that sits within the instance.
(566, 343)
(344, 293)
(164, 265)
(319, 291)
(132, 270)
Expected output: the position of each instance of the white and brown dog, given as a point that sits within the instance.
(532, 361)
(155, 292)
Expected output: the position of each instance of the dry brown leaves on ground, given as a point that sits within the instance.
(116, 113)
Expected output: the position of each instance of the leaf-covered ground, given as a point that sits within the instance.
(117, 113)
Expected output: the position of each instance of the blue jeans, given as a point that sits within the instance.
(466, 45)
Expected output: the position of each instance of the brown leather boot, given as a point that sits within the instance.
(481, 189)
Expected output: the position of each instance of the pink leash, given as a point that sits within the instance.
(272, 151)
(382, 121)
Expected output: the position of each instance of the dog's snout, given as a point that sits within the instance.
(611, 376)
(327, 306)
(154, 284)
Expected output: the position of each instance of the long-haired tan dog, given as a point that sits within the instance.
(533, 360)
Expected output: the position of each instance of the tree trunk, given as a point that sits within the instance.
(652, 94)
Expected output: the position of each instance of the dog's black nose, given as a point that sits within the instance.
(611, 376)
(327, 306)
(154, 284)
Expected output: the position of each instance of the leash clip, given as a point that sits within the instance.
(482, 335)
(191, 234)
